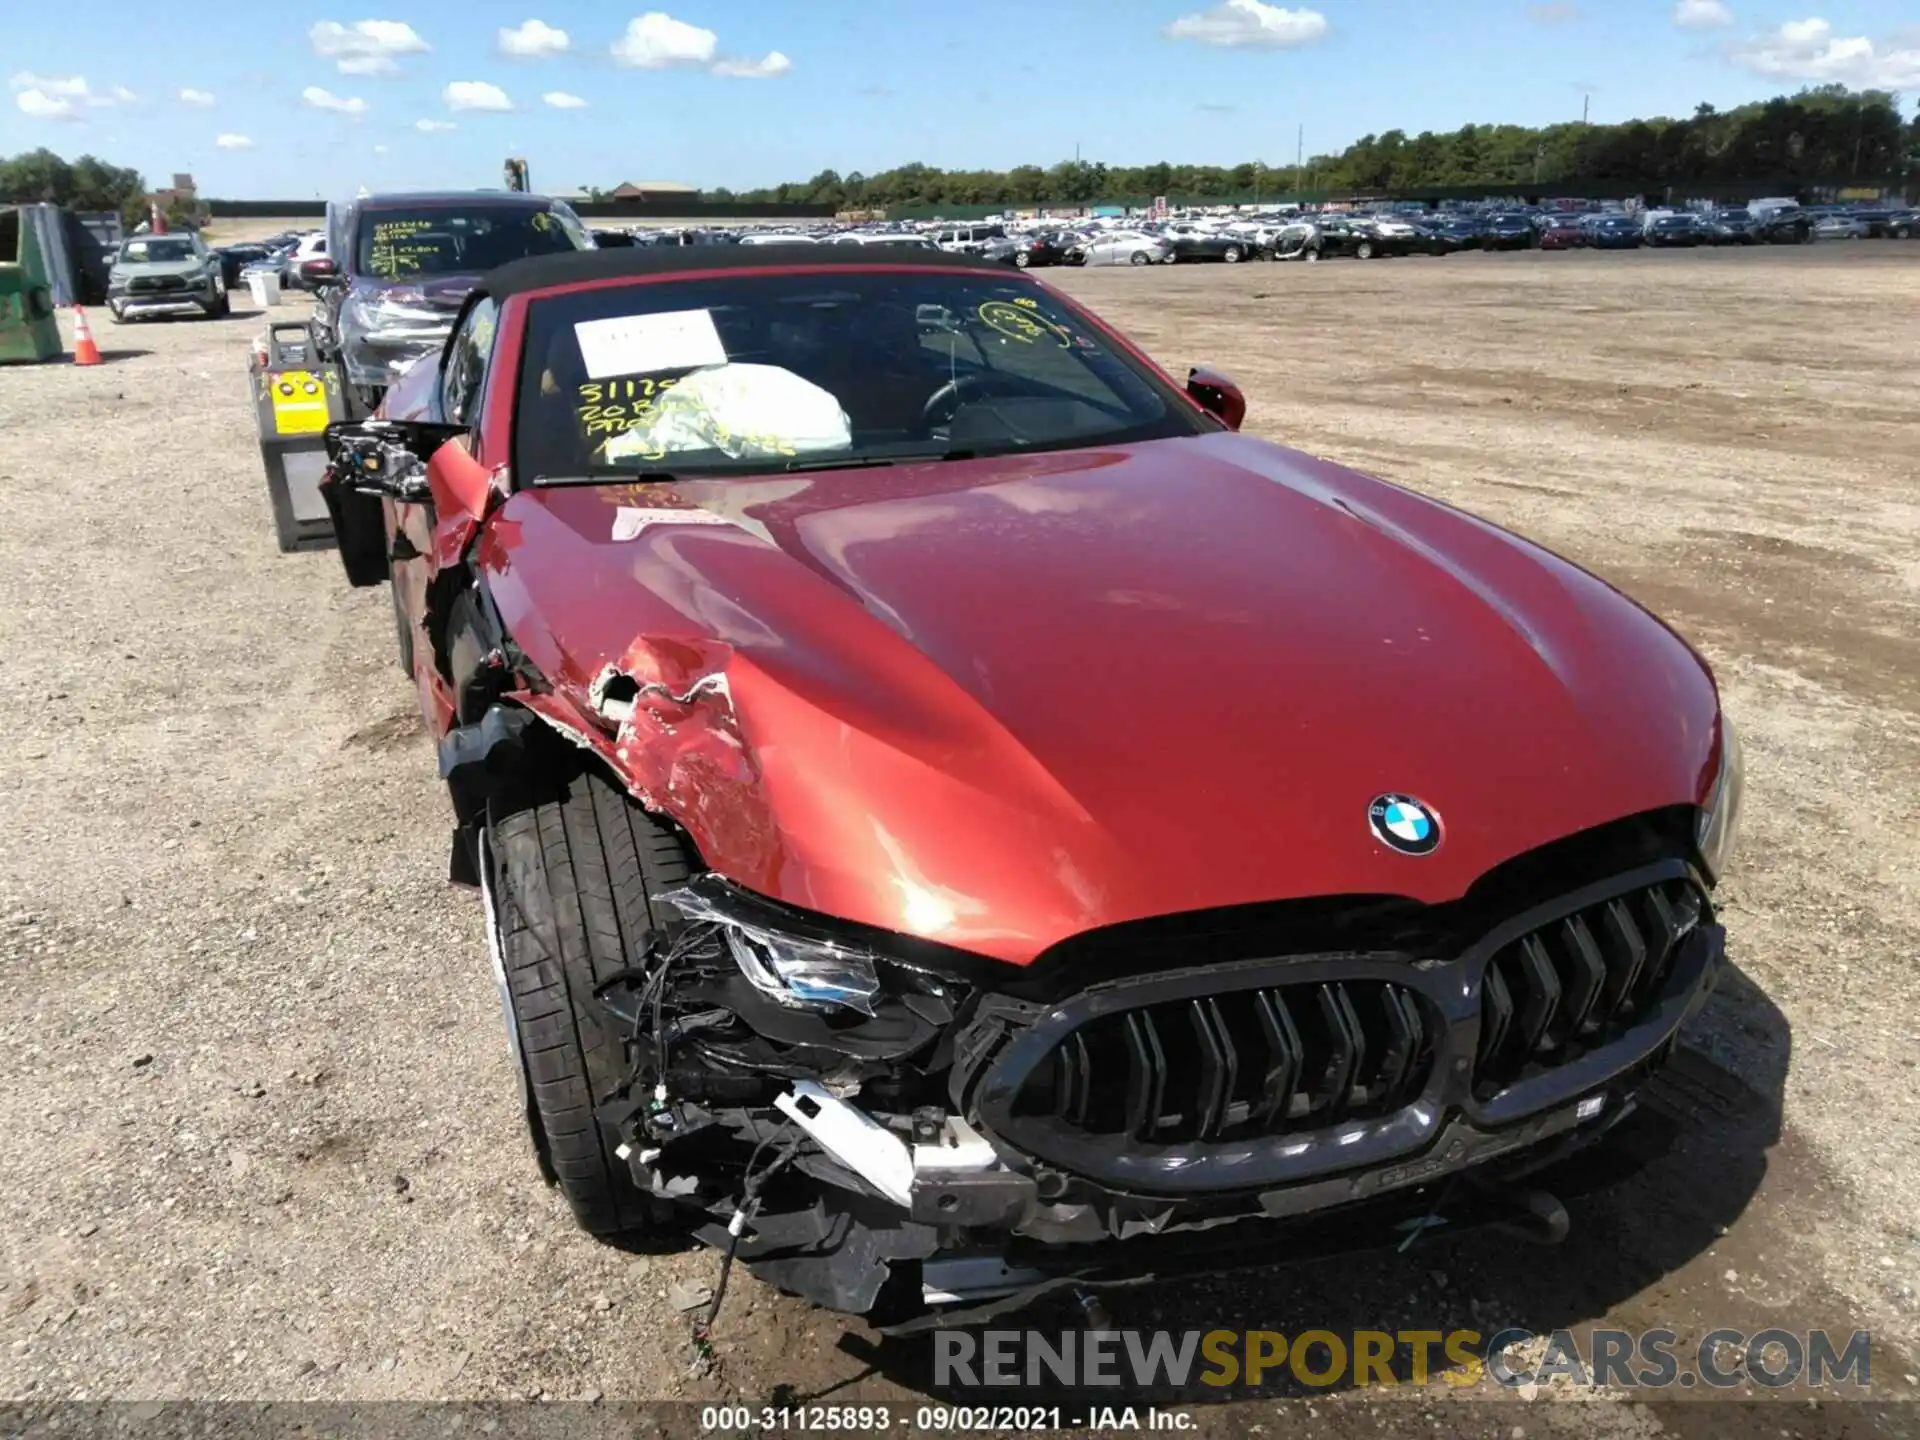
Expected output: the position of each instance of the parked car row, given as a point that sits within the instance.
(1311, 236)
(1233, 238)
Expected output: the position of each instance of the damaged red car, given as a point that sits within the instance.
(957, 820)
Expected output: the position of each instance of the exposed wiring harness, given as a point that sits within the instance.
(651, 1005)
(749, 1206)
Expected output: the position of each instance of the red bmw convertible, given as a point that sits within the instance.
(955, 818)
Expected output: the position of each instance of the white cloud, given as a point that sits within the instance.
(199, 99)
(1553, 12)
(434, 127)
(379, 149)
(765, 68)
(475, 95)
(561, 100)
(533, 40)
(73, 88)
(1809, 50)
(1701, 14)
(233, 142)
(656, 40)
(41, 106)
(320, 99)
(366, 47)
(1249, 23)
(47, 97)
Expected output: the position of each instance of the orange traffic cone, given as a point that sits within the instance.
(85, 352)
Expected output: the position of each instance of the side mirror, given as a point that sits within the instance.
(384, 457)
(319, 272)
(1217, 394)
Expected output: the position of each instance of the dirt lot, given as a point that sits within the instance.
(261, 1132)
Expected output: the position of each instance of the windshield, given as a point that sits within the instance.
(746, 374)
(163, 248)
(397, 244)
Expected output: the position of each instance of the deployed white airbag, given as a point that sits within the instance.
(746, 412)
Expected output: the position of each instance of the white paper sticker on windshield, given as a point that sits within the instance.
(629, 520)
(647, 344)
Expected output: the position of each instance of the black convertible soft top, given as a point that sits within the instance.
(544, 272)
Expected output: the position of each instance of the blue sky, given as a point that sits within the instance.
(279, 102)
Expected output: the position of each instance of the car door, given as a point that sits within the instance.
(455, 395)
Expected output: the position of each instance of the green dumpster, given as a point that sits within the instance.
(28, 330)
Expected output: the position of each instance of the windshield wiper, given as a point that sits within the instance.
(865, 462)
(601, 474)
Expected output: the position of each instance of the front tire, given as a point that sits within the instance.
(574, 870)
(402, 631)
(1140, 257)
(1312, 257)
(1232, 257)
(1363, 251)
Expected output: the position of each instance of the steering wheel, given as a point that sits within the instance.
(944, 402)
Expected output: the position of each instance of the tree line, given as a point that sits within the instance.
(1817, 136)
(40, 177)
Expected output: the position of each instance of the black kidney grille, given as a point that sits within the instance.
(1254, 1062)
(1578, 982)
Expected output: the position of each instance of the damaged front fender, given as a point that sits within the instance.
(662, 719)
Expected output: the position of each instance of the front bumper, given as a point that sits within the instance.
(177, 300)
(1401, 1077)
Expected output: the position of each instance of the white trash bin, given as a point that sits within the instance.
(264, 286)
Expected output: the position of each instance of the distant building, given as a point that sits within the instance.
(652, 190)
(180, 195)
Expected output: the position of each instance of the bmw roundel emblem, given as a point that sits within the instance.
(1402, 823)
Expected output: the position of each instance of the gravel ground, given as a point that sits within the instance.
(261, 1132)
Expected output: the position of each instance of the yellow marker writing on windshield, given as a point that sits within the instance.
(1022, 325)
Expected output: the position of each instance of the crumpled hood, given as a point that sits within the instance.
(999, 702)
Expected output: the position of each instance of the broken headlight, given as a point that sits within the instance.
(1719, 824)
(808, 972)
